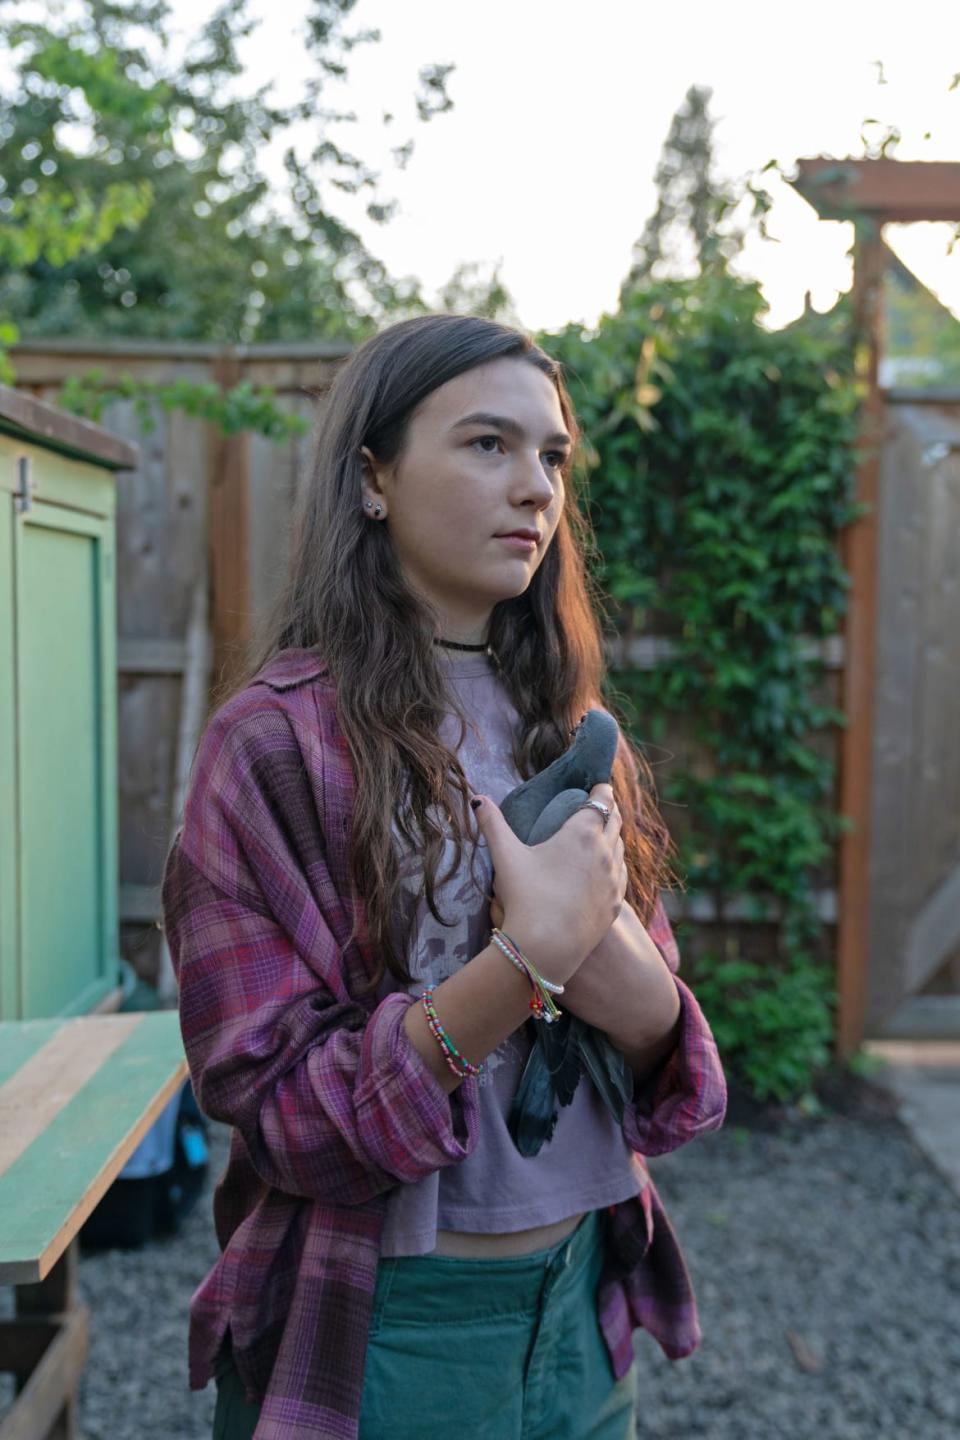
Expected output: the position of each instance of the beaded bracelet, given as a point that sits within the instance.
(537, 1003)
(525, 967)
(542, 1003)
(523, 962)
(450, 1052)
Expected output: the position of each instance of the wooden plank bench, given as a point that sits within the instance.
(76, 1098)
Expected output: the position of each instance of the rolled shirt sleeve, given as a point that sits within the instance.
(332, 1099)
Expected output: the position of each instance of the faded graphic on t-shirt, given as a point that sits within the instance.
(437, 951)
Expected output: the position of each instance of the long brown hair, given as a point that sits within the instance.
(346, 597)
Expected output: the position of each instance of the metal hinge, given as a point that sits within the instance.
(23, 494)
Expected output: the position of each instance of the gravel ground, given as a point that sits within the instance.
(825, 1254)
(826, 1258)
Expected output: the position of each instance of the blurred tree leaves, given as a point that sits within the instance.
(689, 225)
(132, 191)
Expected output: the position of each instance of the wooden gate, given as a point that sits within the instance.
(913, 976)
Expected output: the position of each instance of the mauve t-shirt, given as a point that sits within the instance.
(587, 1163)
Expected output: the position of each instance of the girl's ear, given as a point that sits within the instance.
(374, 472)
(372, 486)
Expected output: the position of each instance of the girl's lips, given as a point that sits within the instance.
(518, 542)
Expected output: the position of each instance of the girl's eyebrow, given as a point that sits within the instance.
(508, 426)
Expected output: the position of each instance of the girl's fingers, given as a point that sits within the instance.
(604, 794)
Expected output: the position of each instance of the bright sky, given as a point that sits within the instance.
(546, 162)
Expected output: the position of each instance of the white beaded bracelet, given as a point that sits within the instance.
(547, 985)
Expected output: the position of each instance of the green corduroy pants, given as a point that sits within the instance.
(506, 1349)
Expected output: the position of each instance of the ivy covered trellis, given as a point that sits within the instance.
(718, 469)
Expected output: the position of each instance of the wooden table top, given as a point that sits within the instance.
(76, 1098)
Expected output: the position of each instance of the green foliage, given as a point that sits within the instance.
(58, 225)
(132, 200)
(693, 206)
(922, 337)
(867, 1066)
(470, 291)
(102, 129)
(718, 461)
(775, 1030)
(244, 407)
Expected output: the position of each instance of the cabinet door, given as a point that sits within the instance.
(65, 723)
(9, 848)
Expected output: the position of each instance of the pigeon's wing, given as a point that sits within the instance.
(607, 1069)
(533, 1114)
(561, 1045)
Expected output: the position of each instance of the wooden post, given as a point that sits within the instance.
(46, 1346)
(229, 511)
(860, 545)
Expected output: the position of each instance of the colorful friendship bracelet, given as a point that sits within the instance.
(542, 1003)
(450, 1052)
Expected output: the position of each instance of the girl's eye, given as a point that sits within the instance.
(554, 458)
(482, 440)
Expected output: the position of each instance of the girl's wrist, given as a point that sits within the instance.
(551, 958)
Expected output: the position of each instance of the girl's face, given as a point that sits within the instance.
(482, 457)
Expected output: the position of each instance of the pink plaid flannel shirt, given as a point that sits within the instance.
(331, 1104)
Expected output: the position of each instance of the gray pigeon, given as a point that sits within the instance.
(534, 811)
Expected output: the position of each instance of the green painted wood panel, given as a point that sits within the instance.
(60, 758)
(47, 1184)
(59, 927)
(9, 942)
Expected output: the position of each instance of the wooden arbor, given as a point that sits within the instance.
(868, 193)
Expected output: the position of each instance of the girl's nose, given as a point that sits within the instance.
(534, 483)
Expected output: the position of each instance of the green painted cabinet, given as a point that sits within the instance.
(59, 950)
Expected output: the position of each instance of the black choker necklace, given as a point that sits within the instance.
(456, 645)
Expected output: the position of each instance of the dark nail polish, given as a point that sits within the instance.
(475, 803)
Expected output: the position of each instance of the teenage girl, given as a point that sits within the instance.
(363, 946)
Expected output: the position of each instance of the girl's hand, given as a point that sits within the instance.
(558, 898)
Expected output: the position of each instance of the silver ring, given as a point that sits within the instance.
(597, 805)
